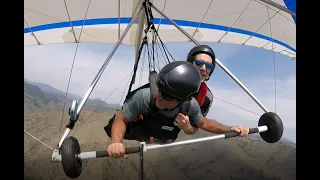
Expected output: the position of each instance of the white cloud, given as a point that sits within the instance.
(51, 64)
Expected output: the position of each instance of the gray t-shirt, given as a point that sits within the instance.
(139, 103)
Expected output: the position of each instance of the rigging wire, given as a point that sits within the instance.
(104, 101)
(99, 107)
(141, 67)
(38, 140)
(237, 106)
(225, 33)
(274, 63)
(74, 58)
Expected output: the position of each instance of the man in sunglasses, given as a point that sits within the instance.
(203, 58)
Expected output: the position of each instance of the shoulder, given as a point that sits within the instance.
(143, 96)
(138, 103)
(194, 112)
(194, 106)
(140, 97)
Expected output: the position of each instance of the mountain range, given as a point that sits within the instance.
(46, 96)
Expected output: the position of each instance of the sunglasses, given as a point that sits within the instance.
(200, 63)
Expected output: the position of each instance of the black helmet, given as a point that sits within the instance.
(179, 79)
(202, 49)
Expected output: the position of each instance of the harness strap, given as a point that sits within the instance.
(201, 96)
(153, 89)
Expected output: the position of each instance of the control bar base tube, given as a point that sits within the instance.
(100, 154)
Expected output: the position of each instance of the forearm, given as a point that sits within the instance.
(191, 130)
(118, 128)
(214, 126)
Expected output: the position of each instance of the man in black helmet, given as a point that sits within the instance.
(154, 113)
(203, 58)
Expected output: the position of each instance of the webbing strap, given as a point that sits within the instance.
(153, 88)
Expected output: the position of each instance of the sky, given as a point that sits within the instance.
(254, 67)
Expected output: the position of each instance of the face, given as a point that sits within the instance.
(165, 102)
(203, 62)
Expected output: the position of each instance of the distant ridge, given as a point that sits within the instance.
(44, 95)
